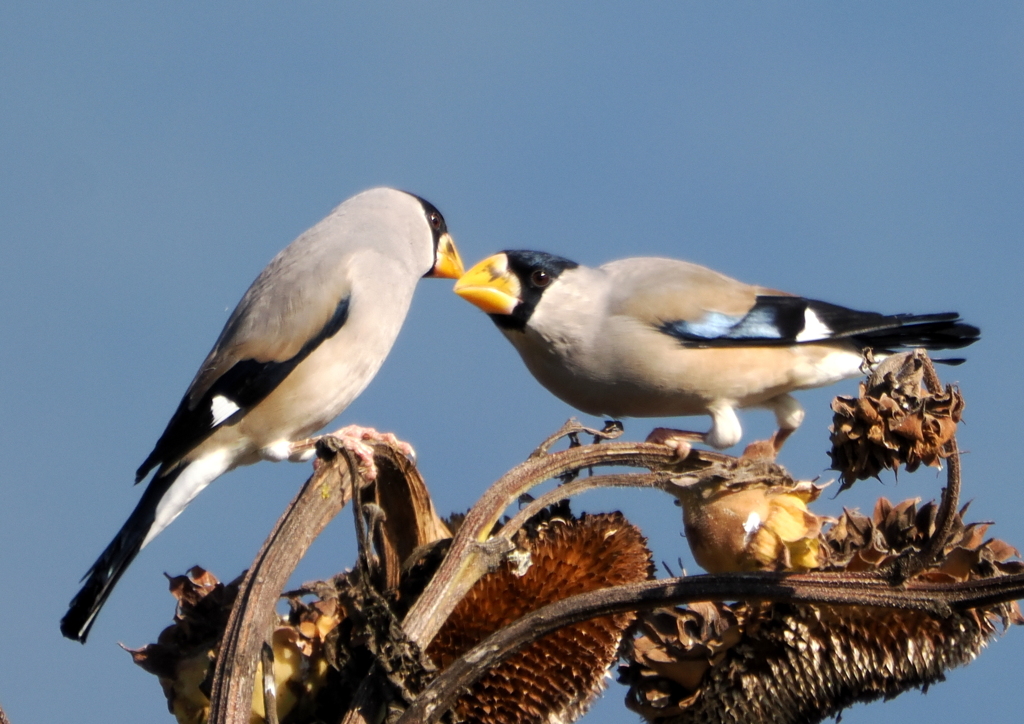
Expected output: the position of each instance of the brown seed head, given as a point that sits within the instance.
(555, 678)
(893, 421)
(755, 663)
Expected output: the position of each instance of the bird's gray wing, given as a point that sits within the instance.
(655, 291)
(701, 308)
(289, 310)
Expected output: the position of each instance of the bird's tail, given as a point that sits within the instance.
(166, 496)
(114, 561)
(931, 331)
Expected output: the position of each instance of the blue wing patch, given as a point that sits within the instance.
(772, 320)
(779, 320)
(757, 324)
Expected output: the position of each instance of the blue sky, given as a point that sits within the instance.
(152, 160)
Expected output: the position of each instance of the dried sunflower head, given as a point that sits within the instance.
(182, 659)
(556, 677)
(895, 420)
(752, 662)
(184, 655)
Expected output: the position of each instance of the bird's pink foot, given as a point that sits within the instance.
(363, 453)
(355, 437)
(368, 433)
(681, 441)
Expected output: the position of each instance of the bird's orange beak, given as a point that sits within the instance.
(491, 286)
(447, 263)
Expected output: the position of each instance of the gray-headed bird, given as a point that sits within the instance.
(304, 341)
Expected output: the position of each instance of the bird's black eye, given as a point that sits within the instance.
(435, 221)
(540, 278)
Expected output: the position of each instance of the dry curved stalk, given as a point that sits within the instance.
(821, 588)
(580, 485)
(571, 429)
(3, 717)
(948, 507)
(951, 493)
(470, 557)
(323, 496)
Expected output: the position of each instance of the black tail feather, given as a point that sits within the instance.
(931, 331)
(114, 561)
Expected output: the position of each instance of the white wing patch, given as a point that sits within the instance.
(814, 328)
(222, 408)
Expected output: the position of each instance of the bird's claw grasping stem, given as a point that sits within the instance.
(355, 438)
(679, 440)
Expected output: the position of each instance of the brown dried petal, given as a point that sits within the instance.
(1000, 550)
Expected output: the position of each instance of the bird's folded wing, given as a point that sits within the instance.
(277, 325)
(702, 308)
(657, 291)
(785, 320)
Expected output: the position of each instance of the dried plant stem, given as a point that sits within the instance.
(948, 508)
(323, 496)
(572, 429)
(902, 569)
(951, 494)
(3, 717)
(812, 588)
(469, 557)
(269, 684)
(581, 485)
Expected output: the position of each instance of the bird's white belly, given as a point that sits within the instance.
(665, 379)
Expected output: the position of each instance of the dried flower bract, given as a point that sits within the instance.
(184, 654)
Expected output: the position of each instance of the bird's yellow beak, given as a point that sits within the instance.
(448, 264)
(491, 285)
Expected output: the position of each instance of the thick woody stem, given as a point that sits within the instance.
(947, 510)
(951, 495)
(323, 496)
(904, 568)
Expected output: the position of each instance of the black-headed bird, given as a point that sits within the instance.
(650, 337)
